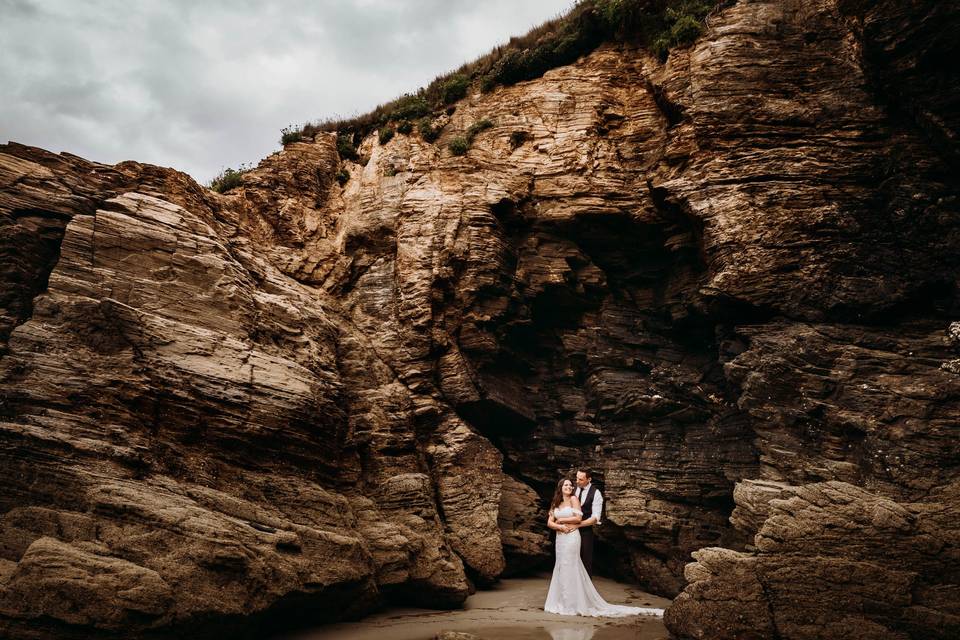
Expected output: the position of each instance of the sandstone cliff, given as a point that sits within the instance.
(726, 282)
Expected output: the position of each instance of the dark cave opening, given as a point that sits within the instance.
(30, 249)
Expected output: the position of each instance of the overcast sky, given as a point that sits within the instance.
(203, 85)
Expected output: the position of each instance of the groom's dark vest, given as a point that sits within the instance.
(586, 503)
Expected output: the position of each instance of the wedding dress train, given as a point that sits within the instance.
(571, 590)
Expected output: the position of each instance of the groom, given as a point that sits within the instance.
(591, 503)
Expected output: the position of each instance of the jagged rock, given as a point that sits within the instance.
(468, 476)
(953, 334)
(866, 405)
(953, 366)
(522, 521)
(753, 499)
(832, 560)
(175, 408)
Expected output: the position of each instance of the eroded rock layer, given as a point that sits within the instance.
(725, 282)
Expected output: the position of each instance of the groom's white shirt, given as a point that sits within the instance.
(597, 501)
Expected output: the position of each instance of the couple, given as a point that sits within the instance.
(573, 512)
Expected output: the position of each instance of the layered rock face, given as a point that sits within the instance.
(186, 435)
(726, 283)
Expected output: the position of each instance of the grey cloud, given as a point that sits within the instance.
(205, 85)
(11, 9)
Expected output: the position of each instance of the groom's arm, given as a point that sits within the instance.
(556, 525)
(595, 511)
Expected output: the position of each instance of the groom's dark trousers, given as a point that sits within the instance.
(586, 533)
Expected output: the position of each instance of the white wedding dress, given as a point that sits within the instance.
(571, 591)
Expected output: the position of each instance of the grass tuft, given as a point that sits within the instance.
(407, 107)
(290, 134)
(229, 179)
(455, 88)
(346, 146)
(427, 131)
(477, 127)
(459, 145)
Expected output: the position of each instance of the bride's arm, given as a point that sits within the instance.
(556, 525)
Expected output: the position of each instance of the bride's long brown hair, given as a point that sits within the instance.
(558, 494)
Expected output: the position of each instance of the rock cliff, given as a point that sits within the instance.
(725, 282)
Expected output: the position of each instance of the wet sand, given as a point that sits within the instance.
(512, 610)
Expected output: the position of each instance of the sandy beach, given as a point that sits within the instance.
(512, 610)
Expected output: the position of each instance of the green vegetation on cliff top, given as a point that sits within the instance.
(658, 25)
(228, 179)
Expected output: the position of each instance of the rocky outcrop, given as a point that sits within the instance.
(867, 399)
(525, 543)
(725, 282)
(184, 437)
(833, 560)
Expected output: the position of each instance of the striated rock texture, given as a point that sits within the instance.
(190, 436)
(725, 282)
(833, 561)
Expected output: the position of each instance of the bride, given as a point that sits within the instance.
(571, 591)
